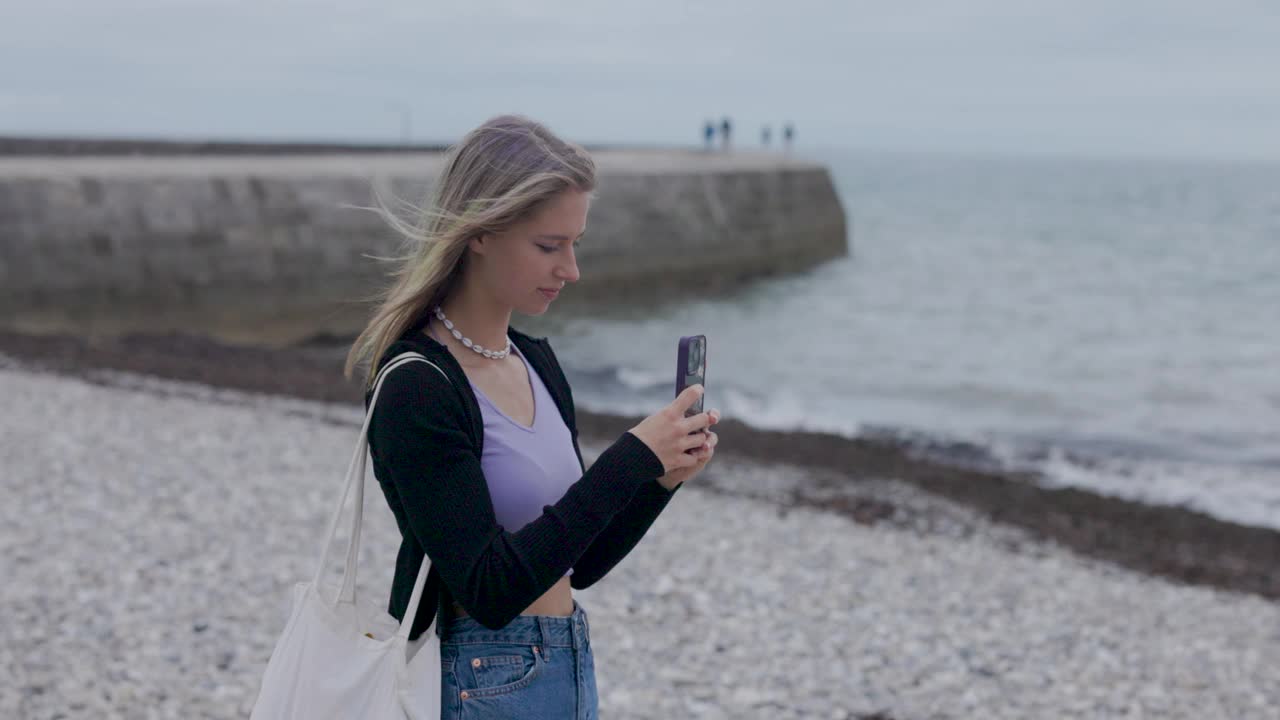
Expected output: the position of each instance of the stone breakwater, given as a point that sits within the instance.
(247, 246)
(152, 528)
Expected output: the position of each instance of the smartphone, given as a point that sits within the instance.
(691, 369)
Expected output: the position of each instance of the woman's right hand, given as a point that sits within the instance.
(667, 432)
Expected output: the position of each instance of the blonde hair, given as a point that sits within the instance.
(499, 174)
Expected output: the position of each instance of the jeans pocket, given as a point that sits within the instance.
(490, 670)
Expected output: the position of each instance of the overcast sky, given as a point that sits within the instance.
(1167, 77)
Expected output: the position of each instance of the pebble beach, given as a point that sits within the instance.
(153, 527)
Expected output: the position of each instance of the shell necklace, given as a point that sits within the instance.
(493, 354)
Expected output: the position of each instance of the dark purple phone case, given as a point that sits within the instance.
(682, 361)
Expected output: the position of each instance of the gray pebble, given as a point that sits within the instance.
(151, 531)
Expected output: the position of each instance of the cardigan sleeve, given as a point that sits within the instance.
(622, 533)
(417, 433)
(629, 526)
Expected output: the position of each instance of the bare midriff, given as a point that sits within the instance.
(557, 601)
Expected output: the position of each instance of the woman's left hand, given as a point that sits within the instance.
(704, 453)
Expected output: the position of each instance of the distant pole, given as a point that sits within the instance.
(405, 110)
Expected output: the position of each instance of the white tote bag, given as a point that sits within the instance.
(324, 665)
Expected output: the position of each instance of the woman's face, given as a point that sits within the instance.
(535, 255)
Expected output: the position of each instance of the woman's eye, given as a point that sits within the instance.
(553, 248)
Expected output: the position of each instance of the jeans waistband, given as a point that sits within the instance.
(550, 630)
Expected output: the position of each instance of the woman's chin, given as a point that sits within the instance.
(535, 309)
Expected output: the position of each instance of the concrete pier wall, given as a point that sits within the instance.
(230, 241)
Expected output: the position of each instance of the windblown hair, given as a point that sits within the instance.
(498, 175)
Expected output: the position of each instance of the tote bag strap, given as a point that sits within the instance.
(356, 477)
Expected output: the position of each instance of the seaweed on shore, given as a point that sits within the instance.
(1176, 543)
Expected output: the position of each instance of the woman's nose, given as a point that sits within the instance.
(570, 272)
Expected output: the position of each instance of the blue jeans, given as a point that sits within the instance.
(538, 666)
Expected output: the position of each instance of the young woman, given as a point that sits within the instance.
(480, 464)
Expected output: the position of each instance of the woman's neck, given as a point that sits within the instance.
(483, 323)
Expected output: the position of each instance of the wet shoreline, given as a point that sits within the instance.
(1171, 542)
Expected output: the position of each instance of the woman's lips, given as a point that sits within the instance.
(550, 294)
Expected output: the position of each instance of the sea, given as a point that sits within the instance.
(1112, 324)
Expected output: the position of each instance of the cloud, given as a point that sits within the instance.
(986, 72)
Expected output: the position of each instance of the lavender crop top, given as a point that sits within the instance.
(526, 468)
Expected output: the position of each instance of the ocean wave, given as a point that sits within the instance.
(1129, 468)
